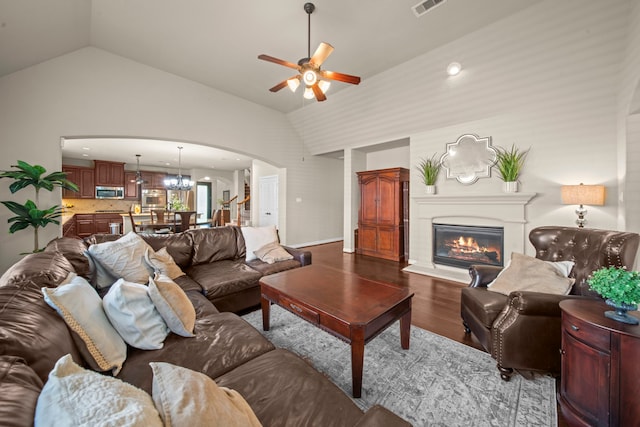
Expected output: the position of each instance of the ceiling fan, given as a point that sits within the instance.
(309, 68)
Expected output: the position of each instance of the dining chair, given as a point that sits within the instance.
(185, 220)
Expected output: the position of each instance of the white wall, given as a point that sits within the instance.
(91, 92)
(546, 78)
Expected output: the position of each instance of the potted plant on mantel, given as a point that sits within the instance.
(621, 288)
(28, 215)
(509, 164)
(429, 169)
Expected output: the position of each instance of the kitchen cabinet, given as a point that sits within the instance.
(131, 189)
(599, 381)
(381, 217)
(85, 225)
(102, 221)
(83, 178)
(109, 174)
(69, 228)
(153, 179)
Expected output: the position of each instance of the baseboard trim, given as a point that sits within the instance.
(317, 242)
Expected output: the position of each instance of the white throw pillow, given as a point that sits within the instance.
(187, 398)
(81, 308)
(135, 317)
(162, 262)
(74, 396)
(173, 304)
(122, 258)
(257, 237)
(525, 273)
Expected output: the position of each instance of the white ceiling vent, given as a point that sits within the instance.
(425, 6)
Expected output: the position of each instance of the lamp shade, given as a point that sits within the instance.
(593, 195)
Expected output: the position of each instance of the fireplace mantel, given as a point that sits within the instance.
(505, 210)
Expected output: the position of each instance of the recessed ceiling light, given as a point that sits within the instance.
(454, 69)
(206, 178)
(85, 155)
(86, 148)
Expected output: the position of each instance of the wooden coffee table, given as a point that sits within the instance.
(347, 306)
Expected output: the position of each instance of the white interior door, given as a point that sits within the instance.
(268, 200)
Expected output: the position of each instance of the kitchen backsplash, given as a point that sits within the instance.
(92, 205)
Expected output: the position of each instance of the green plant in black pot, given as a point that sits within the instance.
(620, 288)
(28, 214)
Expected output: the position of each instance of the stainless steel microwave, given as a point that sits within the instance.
(109, 192)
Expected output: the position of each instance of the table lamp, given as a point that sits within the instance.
(583, 195)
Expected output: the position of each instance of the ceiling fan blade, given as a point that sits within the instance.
(279, 86)
(346, 78)
(279, 61)
(321, 54)
(318, 93)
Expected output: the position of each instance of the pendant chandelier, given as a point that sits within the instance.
(178, 183)
(138, 179)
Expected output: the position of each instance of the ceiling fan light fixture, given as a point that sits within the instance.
(293, 84)
(308, 93)
(310, 77)
(324, 85)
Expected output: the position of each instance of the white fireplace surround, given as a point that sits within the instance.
(493, 210)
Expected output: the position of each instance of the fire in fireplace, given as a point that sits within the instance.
(463, 245)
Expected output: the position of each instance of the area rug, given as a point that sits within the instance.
(437, 382)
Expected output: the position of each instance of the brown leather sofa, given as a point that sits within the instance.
(522, 330)
(281, 388)
(214, 260)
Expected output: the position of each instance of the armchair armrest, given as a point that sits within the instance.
(537, 304)
(304, 257)
(482, 275)
(379, 416)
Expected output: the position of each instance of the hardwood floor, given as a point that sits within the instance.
(436, 303)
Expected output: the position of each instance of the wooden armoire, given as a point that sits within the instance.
(383, 214)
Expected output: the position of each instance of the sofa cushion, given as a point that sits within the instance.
(223, 341)
(214, 244)
(74, 251)
(32, 330)
(525, 273)
(187, 398)
(19, 390)
(42, 268)
(281, 386)
(179, 246)
(74, 396)
(81, 308)
(257, 237)
(173, 305)
(276, 267)
(272, 252)
(161, 262)
(483, 304)
(133, 314)
(224, 277)
(122, 258)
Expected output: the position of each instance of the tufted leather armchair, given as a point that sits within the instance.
(522, 330)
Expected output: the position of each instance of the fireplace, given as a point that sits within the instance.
(463, 245)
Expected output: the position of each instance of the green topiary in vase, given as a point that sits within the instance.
(620, 288)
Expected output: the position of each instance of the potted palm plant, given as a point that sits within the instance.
(620, 288)
(29, 215)
(509, 164)
(429, 169)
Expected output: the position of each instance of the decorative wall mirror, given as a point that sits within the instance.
(469, 158)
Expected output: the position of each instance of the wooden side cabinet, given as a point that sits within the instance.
(599, 383)
(381, 219)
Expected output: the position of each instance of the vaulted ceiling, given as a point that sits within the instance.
(216, 42)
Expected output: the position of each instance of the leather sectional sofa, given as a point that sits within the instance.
(281, 388)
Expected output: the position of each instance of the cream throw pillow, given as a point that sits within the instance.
(173, 305)
(187, 398)
(161, 262)
(74, 396)
(525, 273)
(272, 252)
(122, 258)
(132, 312)
(257, 237)
(81, 308)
